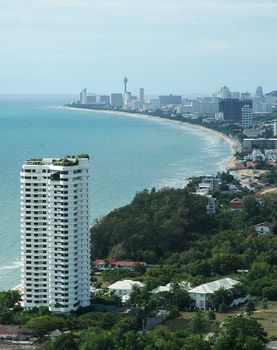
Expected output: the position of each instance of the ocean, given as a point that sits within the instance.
(127, 155)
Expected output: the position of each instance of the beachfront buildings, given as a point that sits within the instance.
(83, 96)
(55, 233)
(170, 99)
(260, 143)
(239, 111)
(116, 100)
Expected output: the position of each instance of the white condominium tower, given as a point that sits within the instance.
(55, 240)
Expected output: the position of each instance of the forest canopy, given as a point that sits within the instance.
(154, 224)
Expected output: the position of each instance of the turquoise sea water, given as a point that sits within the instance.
(127, 155)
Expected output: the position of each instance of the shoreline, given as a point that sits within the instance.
(230, 164)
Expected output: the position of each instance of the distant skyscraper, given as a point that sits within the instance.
(245, 96)
(232, 109)
(259, 91)
(83, 97)
(116, 100)
(55, 243)
(224, 93)
(125, 81)
(170, 100)
(91, 99)
(141, 94)
(127, 98)
(246, 115)
(104, 99)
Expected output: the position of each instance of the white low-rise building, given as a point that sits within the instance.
(123, 289)
(202, 293)
(169, 287)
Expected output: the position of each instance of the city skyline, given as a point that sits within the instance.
(180, 47)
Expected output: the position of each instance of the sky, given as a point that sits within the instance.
(165, 46)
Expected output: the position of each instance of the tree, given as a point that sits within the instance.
(222, 308)
(211, 315)
(251, 206)
(98, 339)
(199, 323)
(220, 297)
(195, 343)
(249, 307)
(270, 293)
(45, 324)
(65, 342)
(239, 333)
(153, 224)
(265, 304)
(9, 299)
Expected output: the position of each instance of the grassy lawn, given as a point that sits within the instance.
(267, 318)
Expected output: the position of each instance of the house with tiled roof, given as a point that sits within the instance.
(10, 333)
(110, 263)
(235, 204)
(124, 288)
(201, 294)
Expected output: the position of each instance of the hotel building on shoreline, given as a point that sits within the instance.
(55, 244)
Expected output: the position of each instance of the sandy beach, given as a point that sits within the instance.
(232, 142)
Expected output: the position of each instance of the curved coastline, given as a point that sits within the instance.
(233, 143)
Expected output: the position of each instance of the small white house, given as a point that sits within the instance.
(123, 289)
(201, 293)
(264, 227)
(168, 287)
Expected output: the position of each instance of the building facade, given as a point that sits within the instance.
(91, 99)
(55, 244)
(260, 143)
(141, 94)
(230, 107)
(234, 109)
(83, 96)
(116, 100)
(202, 294)
(170, 100)
(246, 116)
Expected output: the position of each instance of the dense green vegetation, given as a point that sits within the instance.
(171, 228)
(154, 224)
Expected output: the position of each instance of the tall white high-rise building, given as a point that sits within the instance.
(247, 116)
(84, 96)
(55, 244)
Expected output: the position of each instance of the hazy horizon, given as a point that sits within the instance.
(187, 47)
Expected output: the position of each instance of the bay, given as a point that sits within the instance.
(127, 155)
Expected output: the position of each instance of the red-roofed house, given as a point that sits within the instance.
(104, 264)
(14, 333)
(235, 204)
